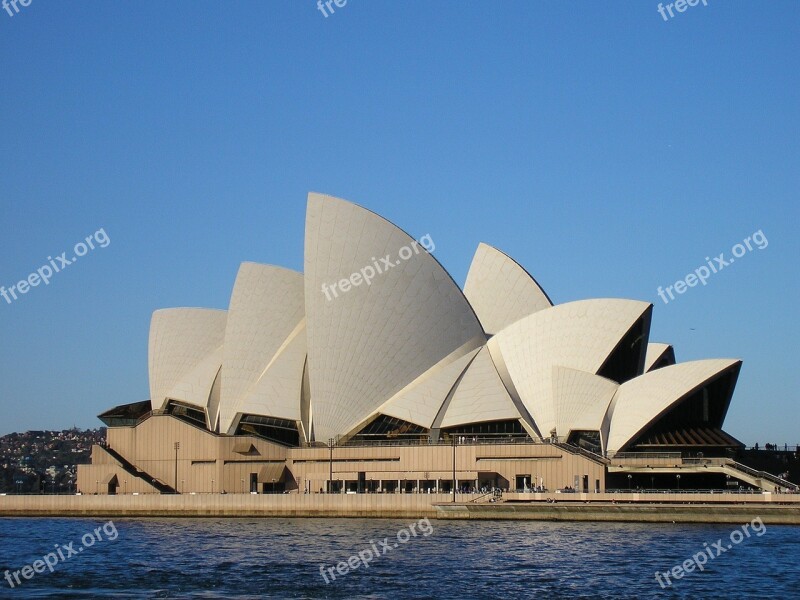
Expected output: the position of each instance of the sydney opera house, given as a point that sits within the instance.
(373, 371)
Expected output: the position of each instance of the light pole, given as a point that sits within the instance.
(212, 486)
(453, 436)
(124, 486)
(630, 489)
(330, 467)
(177, 447)
(678, 477)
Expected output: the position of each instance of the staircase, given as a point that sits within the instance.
(493, 496)
(762, 479)
(666, 463)
(572, 449)
(134, 471)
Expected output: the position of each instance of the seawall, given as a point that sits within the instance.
(651, 508)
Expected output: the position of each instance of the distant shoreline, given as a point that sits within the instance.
(650, 508)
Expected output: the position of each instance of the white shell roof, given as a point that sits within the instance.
(500, 290)
(642, 400)
(407, 344)
(277, 392)
(266, 307)
(422, 400)
(655, 350)
(367, 343)
(579, 335)
(184, 354)
(581, 400)
(480, 395)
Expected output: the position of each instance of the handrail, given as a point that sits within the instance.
(743, 468)
(150, 413)
(625, 455)
(135, 471)
(573, 449)
(467, 441)
(482, 496)
(680, 491)
(763, 475)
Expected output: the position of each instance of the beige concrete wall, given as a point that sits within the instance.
(233, 505)
(123, 440)
(658, 498)
(772, 508)
(101, 457)
(91, 478)
(555, 466)
(736, 514)
(206, 463)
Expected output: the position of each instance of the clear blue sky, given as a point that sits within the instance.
(605, 149)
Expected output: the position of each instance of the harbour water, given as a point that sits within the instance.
(307, 558)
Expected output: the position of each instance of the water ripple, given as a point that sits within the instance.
(281, 558)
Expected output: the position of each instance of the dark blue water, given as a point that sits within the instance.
(281, 558)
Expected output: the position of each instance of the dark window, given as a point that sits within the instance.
(389, 429)
(126, 415)
(281, 431)
(626, 361)
(590, 440)
(186, 412)
(488, 430)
